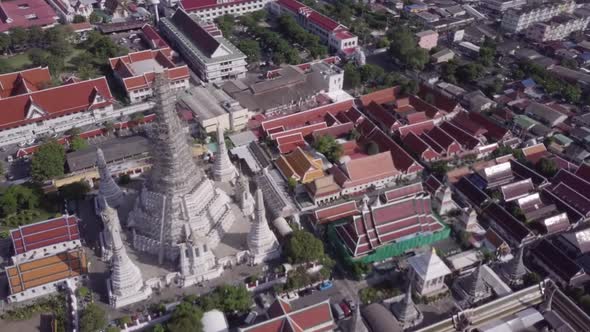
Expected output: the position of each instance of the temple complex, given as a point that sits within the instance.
(224, 170)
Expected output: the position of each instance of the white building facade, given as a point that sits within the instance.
(213, 58)
(557, 30)
(208, 11)
(515, 21)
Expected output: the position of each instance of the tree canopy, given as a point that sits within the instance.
(304, 247)
(329, 147)
(74, 191)
(186, 317)
(403, 46)
(48, 162)
(93, 319)
(17, 198)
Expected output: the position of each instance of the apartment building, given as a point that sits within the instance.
(136, 72)
(558, 28)
(515, 21)
(503, 5)
(335, 35)
(210, 9)
(203, 47)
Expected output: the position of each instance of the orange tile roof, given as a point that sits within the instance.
(46, 270)
(24, 81)
(301, 165)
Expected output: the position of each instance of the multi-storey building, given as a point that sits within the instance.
(515, 21)
(334, 34)
(203, 47)
(135, 71)
(503, 5)
(30, 111)
(210, 9)
(558, 28)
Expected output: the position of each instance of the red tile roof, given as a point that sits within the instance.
(134, 80)
(383, 223)
(584, 171)
(18, 11)
(380, 96)
(417, 128)
(82, 26)
(335, 212)
(24, 81)
(404, 191)
(54, 102)
(401, 158)
(317, 317)
(368, 169)
(441, 101)
(418, 146)
(462, 137)
(302, 118)
(45, 233)
(153, 38)
(381, 115)
(323, 21)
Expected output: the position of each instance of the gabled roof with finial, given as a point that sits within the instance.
(429, 266)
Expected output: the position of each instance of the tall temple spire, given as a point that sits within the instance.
(514, 270)
(108, 189)
(223, 170)
(262, 242)
(405, 310)
(474, 285)
(177, 192)
(126, 283)
(174, 169)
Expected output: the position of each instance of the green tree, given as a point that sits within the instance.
(469, 72)
(48, 162)
(352, 76)
(531, 278)
(108, 126)
(547, 167)
(251, 48)
(74, 191)
(79, 19)
(233, 299)
(439, 168)
(18, 36)
(449, 70)
(17, 198)
(292, 183)
(371, 73)
(403, 47)
(83, 291)
(87, 71)
(36, 36)
(226, 24)
(78, 143)
(569, 63)
(303, 247)
(94, 18)
(383, 42)
(158, 328)
(125, 320)
(93, 318)
(113, 329)
(329, 147)
(297, 279)
(4, 43)
(38, 57)
(571, 93)
(186, 317)
(486, 56)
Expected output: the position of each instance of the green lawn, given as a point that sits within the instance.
(18, 61)
(26, 217)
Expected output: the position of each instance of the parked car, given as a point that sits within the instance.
(251, 318)
(325, 285)
(345, 309)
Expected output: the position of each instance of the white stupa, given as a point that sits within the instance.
(223, 170)
(107, 189)
(244, 197)
(262, 242)
(125, 286)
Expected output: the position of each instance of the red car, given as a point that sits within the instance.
(346, 309)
